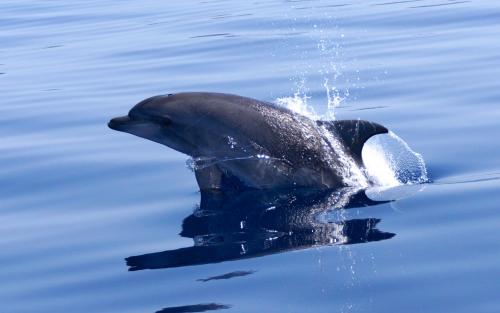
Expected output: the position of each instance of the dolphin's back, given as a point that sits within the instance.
(280, 132)
(296, 151)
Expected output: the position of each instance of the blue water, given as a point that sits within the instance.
(77, 199)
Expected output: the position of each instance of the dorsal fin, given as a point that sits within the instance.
(353, 134)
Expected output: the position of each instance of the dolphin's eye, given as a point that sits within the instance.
(162, 120)
(166, 121)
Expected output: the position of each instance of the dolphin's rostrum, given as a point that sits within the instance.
(239, 142)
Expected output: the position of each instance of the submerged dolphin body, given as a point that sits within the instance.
(239, 142)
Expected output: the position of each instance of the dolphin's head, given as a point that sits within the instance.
(160, 119)
(181, 122)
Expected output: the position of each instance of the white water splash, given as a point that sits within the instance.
(199, 163)
(298, 104)
(351, 173)
(334, 98)
(389, 161)
(393, 193)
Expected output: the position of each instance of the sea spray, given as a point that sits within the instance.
(388, 159)
(350, 171)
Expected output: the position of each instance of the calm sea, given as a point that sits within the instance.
(93, 220)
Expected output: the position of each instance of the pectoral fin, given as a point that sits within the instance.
(209, 177)
(213, 177)
(353, 134)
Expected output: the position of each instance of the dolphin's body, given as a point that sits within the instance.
(239, 142)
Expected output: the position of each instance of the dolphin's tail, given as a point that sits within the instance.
(353, 134)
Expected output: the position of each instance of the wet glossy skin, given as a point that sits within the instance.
(239, 131)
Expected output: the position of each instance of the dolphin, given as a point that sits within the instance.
(238, 142)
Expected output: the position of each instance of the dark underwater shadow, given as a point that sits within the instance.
(195, 308)
(237, 225)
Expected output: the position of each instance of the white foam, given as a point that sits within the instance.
(389, 161)
(378, 166)
(298, 104)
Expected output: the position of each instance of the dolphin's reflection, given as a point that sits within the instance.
(237, 225)
(195, 308)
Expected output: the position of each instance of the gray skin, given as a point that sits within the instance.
(246, 143)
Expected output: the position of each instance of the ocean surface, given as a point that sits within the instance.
(94, 220)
